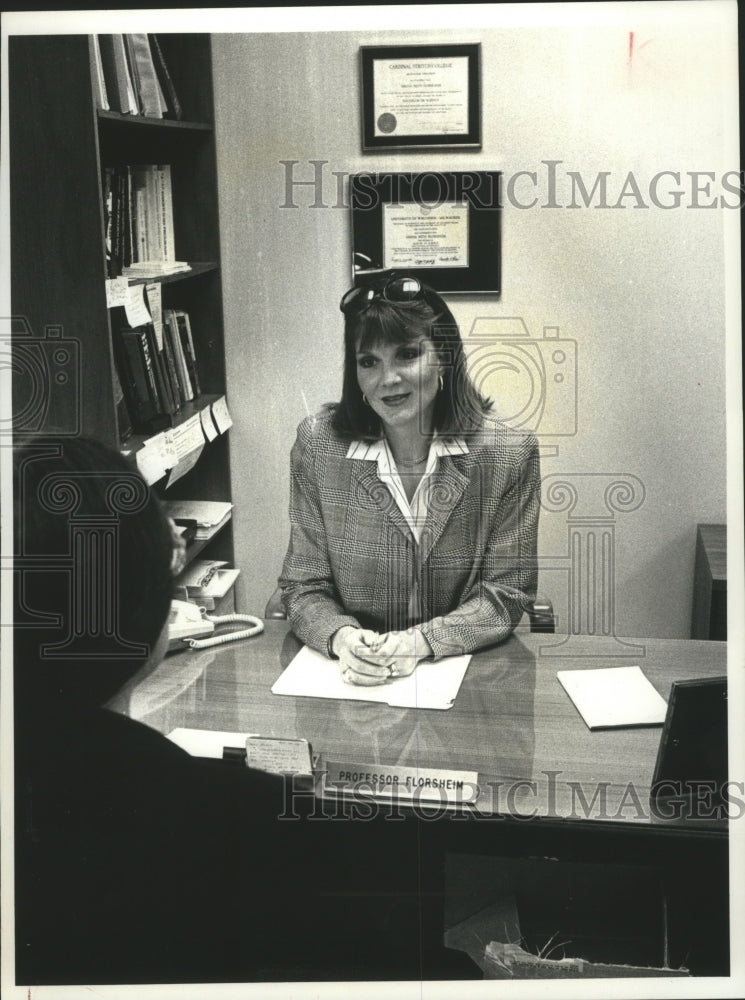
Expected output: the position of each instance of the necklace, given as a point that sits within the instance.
(417, 461)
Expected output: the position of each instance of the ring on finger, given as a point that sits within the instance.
(392, 670)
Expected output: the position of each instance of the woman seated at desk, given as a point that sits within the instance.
(413, 512)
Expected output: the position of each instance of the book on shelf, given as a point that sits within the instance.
(108, 195)
(173, 107)
(100, 94)
(134, 365)
(183, 326)
(168, 404)
(172, 366)
(153, 209)
(128, 226)
(176, 350)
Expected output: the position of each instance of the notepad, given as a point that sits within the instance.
(612, 697)
(434, 684)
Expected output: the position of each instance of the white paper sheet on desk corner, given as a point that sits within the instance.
(434, 684)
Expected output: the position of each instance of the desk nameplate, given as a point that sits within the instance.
(397, 782)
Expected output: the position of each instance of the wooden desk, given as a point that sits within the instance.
(709, 615)
(512, 721)
(549, 786)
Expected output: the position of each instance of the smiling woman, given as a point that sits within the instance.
(413, 512)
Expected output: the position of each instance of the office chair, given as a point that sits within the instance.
(540, 612)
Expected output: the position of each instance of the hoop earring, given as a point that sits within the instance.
(442, 382)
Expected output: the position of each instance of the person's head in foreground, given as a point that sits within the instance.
(93, 580)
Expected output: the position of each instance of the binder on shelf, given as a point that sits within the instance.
(144, 76)
(171, 329)
(173, 105)
(123, 419)
(118, 81)
(137, 388)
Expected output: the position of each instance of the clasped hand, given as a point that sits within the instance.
(367, 658)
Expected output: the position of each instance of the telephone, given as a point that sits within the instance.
(187, 622)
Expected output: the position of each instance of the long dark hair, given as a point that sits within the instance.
(459, 406)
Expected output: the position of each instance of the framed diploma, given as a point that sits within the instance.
(441, 225)
(421, 96)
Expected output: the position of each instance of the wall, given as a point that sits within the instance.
(639, 289)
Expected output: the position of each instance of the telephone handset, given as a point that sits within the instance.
(187, 622)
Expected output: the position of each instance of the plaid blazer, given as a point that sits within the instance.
(352, 558)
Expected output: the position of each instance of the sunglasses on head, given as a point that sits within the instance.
(397, 290)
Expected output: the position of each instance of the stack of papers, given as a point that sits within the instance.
(156, 268)
(434, 684)
(611, 697)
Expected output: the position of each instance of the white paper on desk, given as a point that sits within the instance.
(432, 685)
(610, 697)
(206, 742)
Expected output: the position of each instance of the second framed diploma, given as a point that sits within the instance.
(442, 226)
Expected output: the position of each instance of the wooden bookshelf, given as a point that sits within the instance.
(60, 144)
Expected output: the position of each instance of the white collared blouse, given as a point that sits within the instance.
(414, 510)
